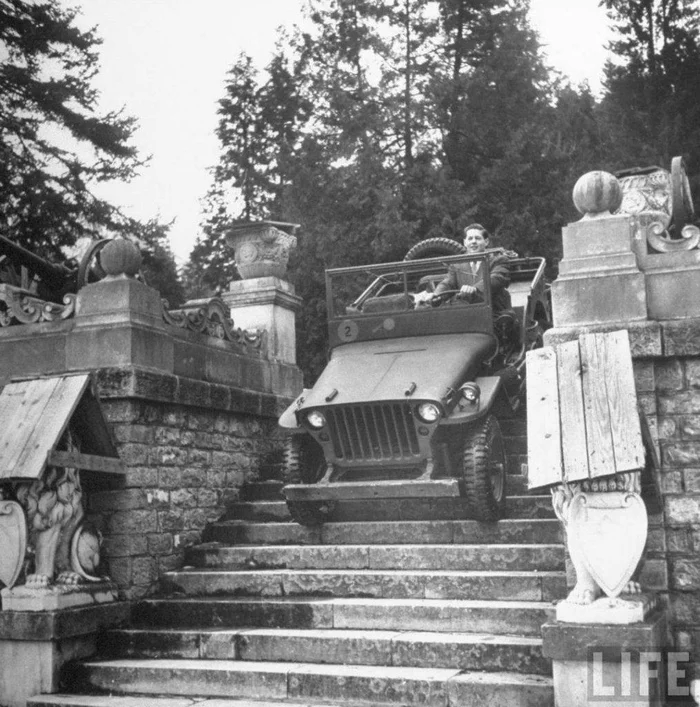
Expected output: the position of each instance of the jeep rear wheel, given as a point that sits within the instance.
(304, 463)
(484, 471)
(434, 248)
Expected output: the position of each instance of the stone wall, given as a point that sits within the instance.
(676, 398)
(194, 416)
(185, 461)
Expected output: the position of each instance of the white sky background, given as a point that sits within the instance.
(165, 61)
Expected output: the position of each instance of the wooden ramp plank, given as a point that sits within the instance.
(601, 458)
(54, 420)
(571, 412)
(543, 428)
(625, 426)
(28, 400)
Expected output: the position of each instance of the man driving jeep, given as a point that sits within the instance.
(468, 278)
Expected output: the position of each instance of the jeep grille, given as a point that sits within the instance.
(372, 432)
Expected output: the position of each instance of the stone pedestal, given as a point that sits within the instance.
(119, 321)
(608, 665)
(268, 303)
(599, 279)
(673, 284)
(36, 644)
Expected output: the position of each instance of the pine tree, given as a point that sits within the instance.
(54, 144)
(651, 108)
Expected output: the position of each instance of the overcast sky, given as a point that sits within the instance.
(165, 61)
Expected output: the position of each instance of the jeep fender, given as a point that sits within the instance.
(492, 396)
(288, 419)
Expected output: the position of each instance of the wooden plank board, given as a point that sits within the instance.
(28, 400)
(54, 420)
(628, 446)
(601, 458)
(91, 462)
(571, 412)
(543, 425)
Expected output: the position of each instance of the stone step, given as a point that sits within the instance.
(60, 700)
(528, 531)
(386, 584)
(523, 506)
(420, 649)
(270, 490)
(514, 618)
(368, 685)
(520, 557)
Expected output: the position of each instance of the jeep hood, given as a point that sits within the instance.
(374, 371)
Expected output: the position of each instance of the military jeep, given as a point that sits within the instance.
(409, 402)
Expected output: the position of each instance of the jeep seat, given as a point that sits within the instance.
(388, 303)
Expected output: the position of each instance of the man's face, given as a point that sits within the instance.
(474, 241)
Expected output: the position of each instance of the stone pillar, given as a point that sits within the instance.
(263, 299)
(35, 645)
(599, 279)
(608, 665)
(655, 296)
(267, 303)
(119, 320)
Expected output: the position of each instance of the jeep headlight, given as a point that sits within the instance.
(428, 412)
(316, 419)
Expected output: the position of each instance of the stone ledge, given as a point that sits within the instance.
(64, 623)
(645, 337)
(58, 596)
(134, 382)
(648, 339)
(565, 641)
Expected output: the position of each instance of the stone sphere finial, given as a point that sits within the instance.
(120, 257)
(597, 194)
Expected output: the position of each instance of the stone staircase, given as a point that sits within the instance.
(418, 608)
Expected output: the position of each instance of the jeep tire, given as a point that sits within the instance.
(483, 470)
(434, 248)
(304, 463)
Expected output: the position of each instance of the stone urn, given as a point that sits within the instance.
(262, 248)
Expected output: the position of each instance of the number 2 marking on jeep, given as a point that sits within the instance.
(348, 330)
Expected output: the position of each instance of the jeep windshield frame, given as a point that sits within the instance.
(371, 302)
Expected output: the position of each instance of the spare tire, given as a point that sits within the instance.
(434, 248)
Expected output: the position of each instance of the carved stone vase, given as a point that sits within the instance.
(260, 249)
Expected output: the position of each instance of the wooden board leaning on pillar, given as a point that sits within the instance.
(583, 418)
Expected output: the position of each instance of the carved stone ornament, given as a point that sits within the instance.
(18, 306)
(85, 552)
(609, 533)
(261, 249)
(662, 204)
(212, 318)
(54, 507)
(13, 541)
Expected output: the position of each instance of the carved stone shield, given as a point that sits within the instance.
(610, 530)
(13, 541)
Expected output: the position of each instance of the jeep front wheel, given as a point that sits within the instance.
(304, 463)
(484, 470)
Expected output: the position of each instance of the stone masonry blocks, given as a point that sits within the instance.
(668, 386)
(184, 461)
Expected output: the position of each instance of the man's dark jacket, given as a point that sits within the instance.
(461, 274)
